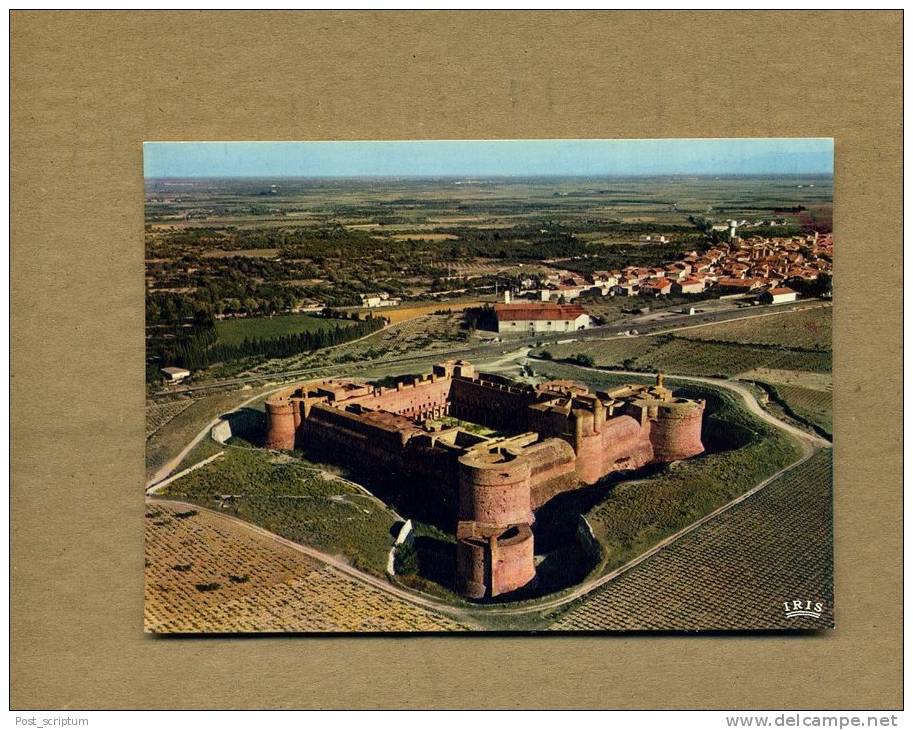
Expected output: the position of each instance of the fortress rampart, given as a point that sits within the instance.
(492, 561)
(549, 439)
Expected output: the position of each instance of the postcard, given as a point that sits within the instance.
(488, 386)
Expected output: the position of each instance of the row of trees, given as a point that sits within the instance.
(199, 347)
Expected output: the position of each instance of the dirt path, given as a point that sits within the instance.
(584, 588)
(809, 443)
(172, 464)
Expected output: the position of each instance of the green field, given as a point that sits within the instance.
(168, 440)
(806, 328)
(292, 500)
(813, 406)
(795, 341)
(638, 514)
(674, 354)
(732, 572)
(235, 331)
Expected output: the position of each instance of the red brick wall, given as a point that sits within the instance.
(413, 401)
(495, 494)
(549, 460)
(472, 572)
(626, 444)
(491, 405)
(481, 574)
(676, 433)
(280, 425)
(514, 566)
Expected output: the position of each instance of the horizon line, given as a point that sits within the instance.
(487, 176)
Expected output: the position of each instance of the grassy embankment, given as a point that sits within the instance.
(174, 435)
(637, 514)
(290, 499)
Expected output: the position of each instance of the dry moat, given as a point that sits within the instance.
(506, 497)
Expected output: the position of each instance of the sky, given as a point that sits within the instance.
(609, 157)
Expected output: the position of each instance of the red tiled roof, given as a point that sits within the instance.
(537, 311)
(737, 283)
(781, 290)
(656, 283)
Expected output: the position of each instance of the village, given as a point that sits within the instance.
(752, 271)
(741, 266)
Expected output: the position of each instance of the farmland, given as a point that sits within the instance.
(255, 249)
(168, 441)
(786, 341)
(159, 414)
(424, 333)
(295, 501)
(813, 406)
(206, 573)
(235, 331)
(804, 329)
(733, 572)
(674, 354)
(228, 261)
(634, 515)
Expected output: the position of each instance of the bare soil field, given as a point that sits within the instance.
(205, 573)
(400, 314)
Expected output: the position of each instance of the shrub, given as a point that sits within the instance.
(405, 560)
(583, 360)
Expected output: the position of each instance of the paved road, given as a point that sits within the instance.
(654, 323)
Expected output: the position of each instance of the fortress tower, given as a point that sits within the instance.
(559, 436)
(492, 560)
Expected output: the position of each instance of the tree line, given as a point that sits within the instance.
(199, 346)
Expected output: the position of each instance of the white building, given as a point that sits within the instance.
(383, 299)
(537, 317)
(175, 375)
(779, 295)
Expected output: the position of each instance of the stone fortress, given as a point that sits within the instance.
(545, 439)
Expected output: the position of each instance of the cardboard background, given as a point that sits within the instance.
(89, 87)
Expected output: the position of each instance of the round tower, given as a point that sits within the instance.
(675, 430)
(280, 424)
(494, 561)
(495, 488)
